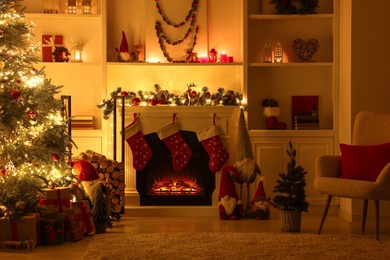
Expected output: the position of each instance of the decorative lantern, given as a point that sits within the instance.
(72, 6)
(77, 52)
(213, 55)
(278, 53)
(86, 6)
(267, 52)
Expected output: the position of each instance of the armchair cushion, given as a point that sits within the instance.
(363, 162)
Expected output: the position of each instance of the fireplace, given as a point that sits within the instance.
(160, 184)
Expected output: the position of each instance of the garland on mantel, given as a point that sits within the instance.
(160, 97)
(191, 13)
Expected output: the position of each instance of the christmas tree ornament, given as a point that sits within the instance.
(138, 144)
(180, 151)
(3, 172)
(31, 114)
(15, 94)
(20, 205)
(55, 157)
(211, 141)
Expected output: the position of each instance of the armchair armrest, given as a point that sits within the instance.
(383, 178)
(328, 166)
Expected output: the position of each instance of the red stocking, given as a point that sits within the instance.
(181, 152)
(214, 147)
(140, 148)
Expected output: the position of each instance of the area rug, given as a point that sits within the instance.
(229, 245)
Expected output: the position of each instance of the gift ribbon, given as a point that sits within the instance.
(52, 233)
(87, 215)
(56, 202)
(48, 42)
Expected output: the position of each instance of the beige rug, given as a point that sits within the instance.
(227, 245)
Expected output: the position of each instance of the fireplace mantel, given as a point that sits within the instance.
(189, 118)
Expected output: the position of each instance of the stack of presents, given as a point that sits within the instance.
(63, 213)
(60, 220)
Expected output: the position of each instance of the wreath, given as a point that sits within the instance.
(295, 6)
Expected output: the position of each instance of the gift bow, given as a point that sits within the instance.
(49, 42)
(56, 202)
(53, 233)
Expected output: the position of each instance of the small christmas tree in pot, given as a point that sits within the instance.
(292, 199)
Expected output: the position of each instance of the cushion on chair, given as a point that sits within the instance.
(363, 162)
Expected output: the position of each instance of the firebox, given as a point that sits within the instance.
(160, 184)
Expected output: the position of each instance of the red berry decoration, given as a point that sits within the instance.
(124, 93)
(55, 157)
(193, 93)
(3, 172)
(153, 101)
(136, 101)
(15, 94)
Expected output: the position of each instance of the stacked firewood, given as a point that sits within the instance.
(113, 173)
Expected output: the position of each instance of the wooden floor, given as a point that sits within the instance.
(310, 222)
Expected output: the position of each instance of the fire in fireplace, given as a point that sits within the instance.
(160, 184)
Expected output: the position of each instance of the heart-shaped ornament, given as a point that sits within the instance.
(305, 49)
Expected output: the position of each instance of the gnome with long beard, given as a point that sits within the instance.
(89, 178)
(230, 206)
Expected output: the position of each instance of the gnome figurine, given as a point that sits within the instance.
(259, 205)
(89, 178)
(123, 51)
(230, 206)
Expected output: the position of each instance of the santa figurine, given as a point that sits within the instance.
(230, 206)
(259, 205)
(88, 177)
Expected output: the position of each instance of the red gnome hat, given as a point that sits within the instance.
(227, 185)
(260, 192)
(124, 47)
(86, 171)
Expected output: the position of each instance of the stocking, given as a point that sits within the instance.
(212, 143)
(181, 152)
(140, 148)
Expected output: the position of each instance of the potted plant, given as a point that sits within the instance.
(292, 199)
(271, 111)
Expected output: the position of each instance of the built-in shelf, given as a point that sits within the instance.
(289, 17)
(72, 17)
(175, 64)
(292, 64)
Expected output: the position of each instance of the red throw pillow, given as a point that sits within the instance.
(363, 162)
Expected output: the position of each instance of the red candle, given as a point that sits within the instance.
(223, 57)
(230, 59)
(203, 59)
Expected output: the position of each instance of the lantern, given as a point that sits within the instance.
(267, 52)
(72, 6)
(77, 52)
(213, 55)
(86, 6)
(278, 53)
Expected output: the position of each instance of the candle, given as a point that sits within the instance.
(229, 59)
(223, 57)
(203, 59)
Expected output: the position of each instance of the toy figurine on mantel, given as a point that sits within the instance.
(123, 51)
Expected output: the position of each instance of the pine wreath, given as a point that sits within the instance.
(295, 6)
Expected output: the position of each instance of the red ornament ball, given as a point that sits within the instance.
(153, 101)
(31, 114)
(124, 93)
(55, 157)
(15, 94)
(136, 101)
(193, 93)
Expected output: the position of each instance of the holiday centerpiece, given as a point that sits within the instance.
(292, 199)
(271, 111)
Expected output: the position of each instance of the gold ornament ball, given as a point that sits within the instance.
(20, 205)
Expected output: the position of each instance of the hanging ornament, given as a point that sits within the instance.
(20, 205)
(3, 172)
(55, 157)
(1, 110)
(31, 114)
(15, 94)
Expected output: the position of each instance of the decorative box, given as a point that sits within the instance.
(27, 228)
(52, 231)
(49, 42)
(74, 227)
(88, 224)
(55, 200)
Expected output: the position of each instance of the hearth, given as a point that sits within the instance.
(160, 184)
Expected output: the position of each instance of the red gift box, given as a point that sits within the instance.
(74, 227)
(88, 225)
(49, 42)
(25, 229)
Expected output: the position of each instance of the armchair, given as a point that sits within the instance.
(370, 128)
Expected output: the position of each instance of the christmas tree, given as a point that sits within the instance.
(34, 142)
(291, 186)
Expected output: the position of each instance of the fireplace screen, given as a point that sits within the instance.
(160, 184)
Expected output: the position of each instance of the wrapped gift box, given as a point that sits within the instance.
(27, 228)
(49, 42)
(74, 227)
(85, 209)
(55, 200)
(52, 231)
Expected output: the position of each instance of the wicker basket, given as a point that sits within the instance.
(290, 221)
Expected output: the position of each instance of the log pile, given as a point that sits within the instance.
(113, 173)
